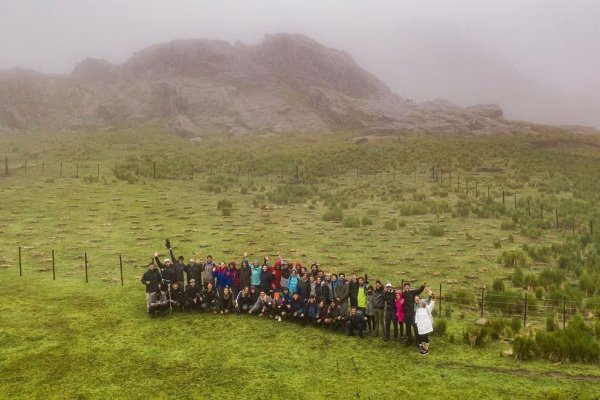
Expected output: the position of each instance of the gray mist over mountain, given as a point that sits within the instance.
(538, 59)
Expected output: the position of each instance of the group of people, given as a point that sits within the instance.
(289, 291)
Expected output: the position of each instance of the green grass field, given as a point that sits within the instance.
(68, 339)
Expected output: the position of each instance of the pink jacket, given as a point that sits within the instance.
(399, 307)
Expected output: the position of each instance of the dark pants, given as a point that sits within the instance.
(390, 318)
(352, 326)
(409, 321)
(379, 321)
(423, 338)
(353, 302)
(371, 323)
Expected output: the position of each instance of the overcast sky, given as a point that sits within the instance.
(539, 59)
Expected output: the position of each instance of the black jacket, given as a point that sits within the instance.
(378, 299)
(167, 274)
(353, 289)
(192, 292)
(245, 277)
(409, 300)
(390, 300)
(177, 295)
(193, 272)
(266, 280)
(210, 297)
(178, 267)
(154, 278)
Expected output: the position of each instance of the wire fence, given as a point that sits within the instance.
(525, 306)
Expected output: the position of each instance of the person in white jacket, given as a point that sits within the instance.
(424, 322)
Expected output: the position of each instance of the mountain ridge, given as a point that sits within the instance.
(286, 83)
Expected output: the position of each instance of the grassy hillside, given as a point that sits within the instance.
(412, 209)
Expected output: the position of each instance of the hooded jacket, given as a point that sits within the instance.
(255, 275)
(245, 276)
(409, 301)
(424, 318)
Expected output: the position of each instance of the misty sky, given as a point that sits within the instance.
(538, 59)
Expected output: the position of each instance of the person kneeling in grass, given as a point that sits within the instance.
(424, 322)
(157, 302)
(262, 305)
(356, 321)
(334, 316)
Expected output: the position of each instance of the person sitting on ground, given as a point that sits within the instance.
(193, 299)
(322, 313)
(334, 315)
(262, 305)
(312, 309)
(158, 303)
(177, 296)
(424, 322)
(211, 298)
(297, 308)
(226, 301)
(355, 321)
(243, 301)
(151, 279)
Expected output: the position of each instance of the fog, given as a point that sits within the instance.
(538, 59)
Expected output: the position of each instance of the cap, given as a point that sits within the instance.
(388, 285)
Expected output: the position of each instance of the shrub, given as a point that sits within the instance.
(244, 190)
(366, 221)
(476, 335)
(334, 214)
(497, 244)
(514, 258)
(391, 224)
(551, 324)
(439, 326)
(226, 212)
(436, 230)
(508, 225)
(351, 222)
(574, 343)
(224, 205)
(462, 297)
(524, 348)
(498, 285)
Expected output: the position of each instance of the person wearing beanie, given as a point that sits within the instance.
(424, 322)
(390, 312)
(166, 271)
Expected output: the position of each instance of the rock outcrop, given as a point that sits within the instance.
(287, 83)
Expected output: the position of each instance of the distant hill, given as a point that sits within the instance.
(287, 83)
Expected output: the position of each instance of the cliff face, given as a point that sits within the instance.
(287, 83)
